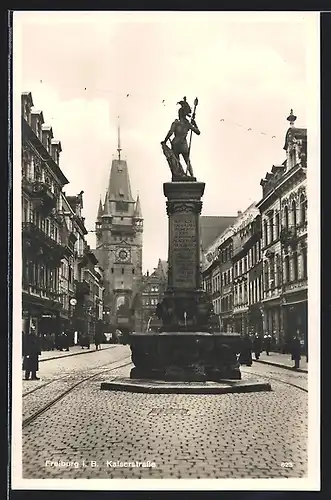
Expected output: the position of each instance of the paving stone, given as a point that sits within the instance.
(217, 436)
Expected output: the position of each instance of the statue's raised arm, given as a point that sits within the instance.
(179, 147)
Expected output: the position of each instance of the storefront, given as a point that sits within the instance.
(40, 315)
(272, 321)
(295, 309)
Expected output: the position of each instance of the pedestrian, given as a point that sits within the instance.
(52, 341)
(257, 345)
(245, 357)
(97, 340)
(267, 343)
(31, 355)
(296, 348)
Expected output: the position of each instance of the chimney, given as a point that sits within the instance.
(239, 213)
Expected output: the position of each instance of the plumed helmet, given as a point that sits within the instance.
(185, 106)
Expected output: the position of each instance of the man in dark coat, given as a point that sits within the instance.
(31, 352)
(267, 343)
(296, 347)
(245, 357)
(257, 344)
(98, 338)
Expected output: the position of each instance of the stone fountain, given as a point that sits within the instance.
(189, 353)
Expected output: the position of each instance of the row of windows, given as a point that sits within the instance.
(33, 172)
(225, 254)
(249, 261)
(40, 275)
(123, 270)
(291, 218)
(293, 268)
(34, 216)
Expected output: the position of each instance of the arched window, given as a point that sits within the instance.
(286, 217)
(294, 214)
(303, 209)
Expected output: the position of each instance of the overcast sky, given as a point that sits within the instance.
(247, 70)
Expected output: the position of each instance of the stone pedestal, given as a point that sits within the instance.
(189, 347)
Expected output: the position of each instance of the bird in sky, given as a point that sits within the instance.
(127, 95)
(249, 129)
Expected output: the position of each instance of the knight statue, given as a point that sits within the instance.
(179, 147)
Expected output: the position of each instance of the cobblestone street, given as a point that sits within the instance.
(186, 436)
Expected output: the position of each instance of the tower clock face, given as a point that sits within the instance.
(123, 254)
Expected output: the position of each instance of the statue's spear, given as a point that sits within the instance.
(193, 118)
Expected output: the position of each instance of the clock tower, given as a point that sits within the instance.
(119, 230)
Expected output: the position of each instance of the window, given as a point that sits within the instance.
(266, 275)
(277, 223)
(304, 263)
(132, 271)
(112, 270)
(303, 209)
(295, 266)
(272, 273)
(122, 270)
(286, 217)
(287, 269)
(271, 229)
(265, 231)
(294, 214)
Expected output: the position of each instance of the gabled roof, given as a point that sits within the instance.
(119, 188)
(211, 226)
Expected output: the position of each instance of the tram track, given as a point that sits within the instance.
(27, 421)
(64, 377)
(276, 379)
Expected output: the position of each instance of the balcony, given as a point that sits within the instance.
(82, 288)
(288, 237)
(41, 194)
(40, 242)
(302, 228)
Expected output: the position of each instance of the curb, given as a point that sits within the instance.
(178, 388)
(272, 363)
(75, 354)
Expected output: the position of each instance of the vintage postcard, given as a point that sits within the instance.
(166, 250)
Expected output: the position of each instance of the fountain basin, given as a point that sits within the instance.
(185, 356)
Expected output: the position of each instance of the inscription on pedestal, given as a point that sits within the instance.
(184, 250)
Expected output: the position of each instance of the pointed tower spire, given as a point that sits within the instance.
(137, 211)
(100, 210)
(119, 149)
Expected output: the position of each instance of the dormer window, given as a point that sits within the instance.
(119, 167)
(121, 193)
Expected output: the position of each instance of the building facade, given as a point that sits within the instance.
(255, 277)
(42, 246)
(283, 210)
(55, 256)
(241, 242)
(152, 292)
(119, 232)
